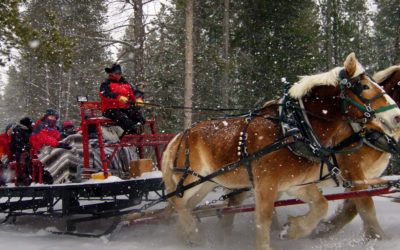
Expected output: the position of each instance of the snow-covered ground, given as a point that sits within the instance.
(30, 233)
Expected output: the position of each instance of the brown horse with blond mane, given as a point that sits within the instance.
(210, 145)
(367, 163)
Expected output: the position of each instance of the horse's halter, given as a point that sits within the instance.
(355, 86)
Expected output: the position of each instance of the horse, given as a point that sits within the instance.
(366, 163)
(209, 145)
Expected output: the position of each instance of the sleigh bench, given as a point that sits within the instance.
(91, 115)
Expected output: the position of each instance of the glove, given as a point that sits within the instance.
(4, 160)
(139, 102)
(64, 145)
(123, 99)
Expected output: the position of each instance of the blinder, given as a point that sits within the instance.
(355, 86)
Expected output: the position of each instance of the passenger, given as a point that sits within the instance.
(5, 151)
(118, 102)
(45, 133)
(67, 129)
(20, 150)
(5, 143)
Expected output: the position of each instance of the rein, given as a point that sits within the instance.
(193, 109)
(301, 131)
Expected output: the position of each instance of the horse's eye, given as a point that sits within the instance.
(365, 87)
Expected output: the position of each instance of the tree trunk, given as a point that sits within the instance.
(138, 41)
(68, 95)
(225, 76)
(46, 69)
(335, 32)
(188, 63)
(396, 58)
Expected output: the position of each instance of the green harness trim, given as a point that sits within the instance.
(354, 85)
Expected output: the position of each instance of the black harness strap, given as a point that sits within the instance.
(278, 144)
(242, 147)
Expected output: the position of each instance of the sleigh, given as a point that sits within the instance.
(128, 202)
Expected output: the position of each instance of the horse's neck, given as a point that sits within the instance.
(332, 132)
(328, 123)
(392, 86)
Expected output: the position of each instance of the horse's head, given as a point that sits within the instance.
(389, 79)
(349, 93)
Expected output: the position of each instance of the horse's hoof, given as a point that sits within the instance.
(373, 236)
(323, 230)
(283, 235)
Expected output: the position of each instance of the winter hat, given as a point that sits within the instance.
(67, 124)
(26, 121)
(51, 112)
(115, 68)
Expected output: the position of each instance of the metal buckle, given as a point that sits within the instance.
(335, 171)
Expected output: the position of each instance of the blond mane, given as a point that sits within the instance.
(382, 75)
(330, 78)
(306, 83)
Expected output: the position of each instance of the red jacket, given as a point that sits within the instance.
(44, 135)
(110, 92)
(5, 145)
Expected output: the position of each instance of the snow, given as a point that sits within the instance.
(32, 233)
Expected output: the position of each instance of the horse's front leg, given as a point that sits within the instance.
(346, 213)
(301, 226)
(265, 194)
(367, 212)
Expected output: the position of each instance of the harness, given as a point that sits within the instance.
(298, 136)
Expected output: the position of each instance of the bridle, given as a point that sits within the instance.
(355, 86)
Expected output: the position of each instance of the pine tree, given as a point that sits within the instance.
(345, 26)
(387, 24)
(53, 79)
(272, 40)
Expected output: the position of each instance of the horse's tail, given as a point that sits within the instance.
(169, 158)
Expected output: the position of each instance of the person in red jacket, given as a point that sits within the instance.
(5, 151)
(118, 101)
(46, 133)
(5, 142)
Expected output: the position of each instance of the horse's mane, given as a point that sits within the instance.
(270, 103)
(330, 78)
(382, 75)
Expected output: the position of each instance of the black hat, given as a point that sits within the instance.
(26, 121)
(115, 68)
(51, 112)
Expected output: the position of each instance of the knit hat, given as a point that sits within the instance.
(115, 68)
(51, 112)
(26, 121)
(67, 124)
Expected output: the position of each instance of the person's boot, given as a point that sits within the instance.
(47, 178)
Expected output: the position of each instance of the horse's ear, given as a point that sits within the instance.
(350, 64)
